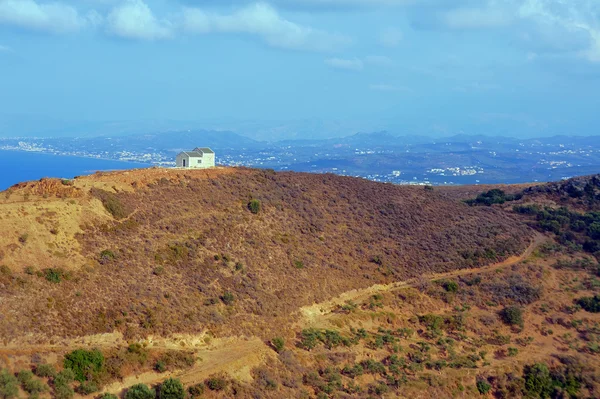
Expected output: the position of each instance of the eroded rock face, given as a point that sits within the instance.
(48, 187)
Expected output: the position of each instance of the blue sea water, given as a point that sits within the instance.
(18, 166)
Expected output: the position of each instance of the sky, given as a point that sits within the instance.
(321, 67)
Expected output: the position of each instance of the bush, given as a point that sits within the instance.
(538, 382)
(450, 286)
(309, 338)
(278, 343)
(483, 387)
(140, 391)
(24, 376)
(494, 196)
(86, 388)
(106, 256)
(9, 387)
(160, 366)
(254, 206)
(45, 370)
(30, 384)
(590, 304)
(23, 238)
(65, 377)
(171, 389)
(227, 298)
(53, 275)
(109, 396)
(512, 315)
(111, 203)
(84, 363)
(63, 391)
(215, 383)
(195, 391)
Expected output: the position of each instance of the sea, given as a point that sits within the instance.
(19, 166)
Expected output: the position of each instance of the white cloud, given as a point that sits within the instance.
(353, 64)
(42, 17)
(264, 21)
(391, 37)
(567, 25)
(135, 20)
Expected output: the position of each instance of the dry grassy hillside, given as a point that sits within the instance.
(253, 284)
(182, 252)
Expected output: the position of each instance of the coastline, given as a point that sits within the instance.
(75, 156)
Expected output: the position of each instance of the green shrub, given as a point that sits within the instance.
(483, 387)
(53, 275)
(106, 256)
(9, 385)
(63, 391)
(140, 391)
(171, 389)
(65, 377)
(215, 383)
(298, 264)
(590, 304)
(31, 385)
(24, 376)
(538, 382)
(195, 391)
(513, 351)
(512, 315)
(109, 396)
(254, 206)
(278, 343)
(494, 196)
(111, 203)
(227, 298)
(160, 366)
(87, 388)
(84, 363)
(45, 370)
(309, 338)
(450, 286)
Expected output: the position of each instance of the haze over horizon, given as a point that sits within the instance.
(300, 68)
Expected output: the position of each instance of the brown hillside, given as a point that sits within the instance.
(182, 252)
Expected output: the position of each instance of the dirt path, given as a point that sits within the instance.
(316, 314)
(234, 356)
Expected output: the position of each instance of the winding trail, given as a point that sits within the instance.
(235, 355)
(314, 315)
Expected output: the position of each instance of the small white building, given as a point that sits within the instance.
(198, 158)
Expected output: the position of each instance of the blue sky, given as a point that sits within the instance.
(528, 67)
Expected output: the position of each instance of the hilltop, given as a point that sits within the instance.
(129, 239)
(250, 283)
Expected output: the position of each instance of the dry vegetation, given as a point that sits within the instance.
(252, 284)
(188, 255)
